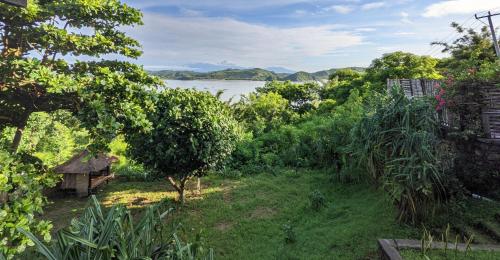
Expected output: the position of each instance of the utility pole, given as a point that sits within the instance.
(492, 28)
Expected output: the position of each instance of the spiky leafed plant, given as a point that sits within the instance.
(115, 235)
(399, 146)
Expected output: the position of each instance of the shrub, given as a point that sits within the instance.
(134, 172)
(398, 145)
(288, 230)
(318, 200)
(115, 235)
(261, 113)
(22, 180)
(193, 132)
(300, 96)
(317, 141)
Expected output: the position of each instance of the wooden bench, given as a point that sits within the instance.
(98, 180)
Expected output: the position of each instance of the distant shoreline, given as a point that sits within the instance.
(247, 74)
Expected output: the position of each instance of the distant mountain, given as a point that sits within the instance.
(228, 74)
(247, 74)
(280, 70)
(300, 76)
(209, 67)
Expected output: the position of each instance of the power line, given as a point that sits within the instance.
(450, 37)
(492, 29)
(434, 49)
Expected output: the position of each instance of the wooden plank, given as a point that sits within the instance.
(388, 249)
(95, 182)
(417, 245)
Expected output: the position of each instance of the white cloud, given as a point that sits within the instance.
(342, 9)
(405, 17)
(373, 5)
(404, 33)
(366, 29)
(229, 4)
(449, 7)
(201, 39)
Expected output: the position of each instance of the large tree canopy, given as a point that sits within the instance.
(51, 58)
(401, 65)
(193, 133)
(472, 55)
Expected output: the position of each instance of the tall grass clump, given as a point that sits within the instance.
(398, 145)
(115, 234)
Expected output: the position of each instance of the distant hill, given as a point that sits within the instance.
(280, 70)
(299, 76)
(247, 74)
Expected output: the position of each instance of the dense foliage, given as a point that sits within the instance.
(300, 97)
(22, 179)
(38, 83)
(263, 112)
(193, 132)
(115, 234)
(472, 56)
(35, 76)
(398, 145)
(401, 65)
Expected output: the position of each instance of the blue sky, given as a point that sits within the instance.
(297, 34)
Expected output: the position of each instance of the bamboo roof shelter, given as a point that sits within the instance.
(84, 172)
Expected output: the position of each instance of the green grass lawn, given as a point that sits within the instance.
(244, 218)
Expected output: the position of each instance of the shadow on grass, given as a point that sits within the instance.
(244, 218)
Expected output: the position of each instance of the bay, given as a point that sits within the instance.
(233, 89)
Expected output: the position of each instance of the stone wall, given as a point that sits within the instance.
(478, 166)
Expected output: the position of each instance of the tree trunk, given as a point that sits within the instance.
(181, 197)
(178, 187)
(181, 192)
(19, 134)
(198, 186)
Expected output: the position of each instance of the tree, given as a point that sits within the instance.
(35, 76)
(472, 55)
(401, 65)
(299, 95)
(263, 112)
(22, 179)
(50, 61)
(340, 85)
(193, 133)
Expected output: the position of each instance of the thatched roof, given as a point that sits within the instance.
(86, 163)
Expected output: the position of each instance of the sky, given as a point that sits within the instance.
(307, 35)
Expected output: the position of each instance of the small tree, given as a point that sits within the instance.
(193, 132)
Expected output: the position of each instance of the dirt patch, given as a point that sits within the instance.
(223, 226)
(139, 201)
(263, 213)
(226, 196)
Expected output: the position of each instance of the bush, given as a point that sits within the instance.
(318, 200)
(115, 235)
(288, 230)
(134, 172)
(22, 180)
(261, 113)
(317, 141)
(399, 146)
